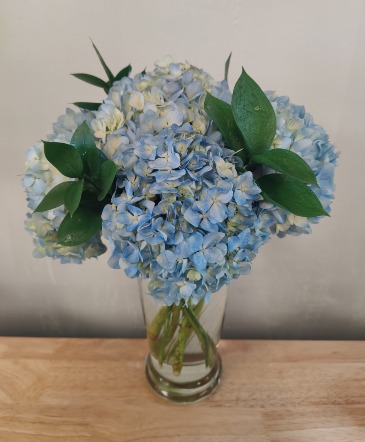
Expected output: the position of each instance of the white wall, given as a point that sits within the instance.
(313, 51)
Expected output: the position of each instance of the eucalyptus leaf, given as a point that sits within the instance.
(123, 73)
(254, 115)
(91, 79)
(108, 171)
(105, 66)
(226, 66)
(54, 198)
(83, 225)
(92, 157)
(288, 163)
(290, 194)
(65, 158)
(87, 106)
(221, 113)
(73, 196)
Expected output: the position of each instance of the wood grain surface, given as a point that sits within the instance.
(94, 390)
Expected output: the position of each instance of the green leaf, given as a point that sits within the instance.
(288, 163)
(108, 171)
(106, 69)
(221, 113)
(84, 224)
(73, 196)
(92, 157)
(91, 79)
(254, 115)
(54, 198)
(290, 194)
(226, 66)
(87, 106)
(65, 158)
(123, 73)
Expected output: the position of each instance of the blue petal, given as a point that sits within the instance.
(193, 217)
(200, 262)
(167, 260)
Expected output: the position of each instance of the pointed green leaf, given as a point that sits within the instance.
(54, 198)
(91, 79)
(73, 196)
(106, 69)
(108, 171)
(290, 194)
(83, 225)
(123, 73)
(288, 163)
(87, 106)
(254, 115)
(221, 113)
(64, 157)
(226, 66)
(92, 157)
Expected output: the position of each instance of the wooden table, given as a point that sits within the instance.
(82, 390)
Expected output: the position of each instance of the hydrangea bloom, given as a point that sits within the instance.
(172, 94)
(296, 131)
(179, 215)
(40, 177)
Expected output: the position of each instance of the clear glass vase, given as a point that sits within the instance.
(183, 364)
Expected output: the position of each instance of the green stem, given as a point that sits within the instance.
(176, 354)
(171, 330)
(179, 347)
(164, 336)
(174, 322)
(204, 339)
(154, 329)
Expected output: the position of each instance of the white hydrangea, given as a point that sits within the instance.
(173, 93)
(40, 177)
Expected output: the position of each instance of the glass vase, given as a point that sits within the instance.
(183, 364)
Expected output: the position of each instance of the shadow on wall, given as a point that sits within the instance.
(60, 321)
(294, 327)
(55, 318)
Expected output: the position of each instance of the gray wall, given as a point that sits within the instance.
(306, 287)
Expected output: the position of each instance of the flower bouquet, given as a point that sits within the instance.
(186, 182)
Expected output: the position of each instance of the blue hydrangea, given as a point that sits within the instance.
(180, 215)
(296, 131)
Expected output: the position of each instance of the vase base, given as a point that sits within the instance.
(183, 392)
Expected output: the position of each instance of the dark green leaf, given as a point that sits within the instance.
(84, 224)
(288, 163)
(108, 171)
(226, 66)
(221, 113)
(54, 198)
(92, 157)
(91, 79)
(254, 115)
(290, 194)
(64, 157)
(73, 196)
(123, 73)
(87, 106)
(106, 69)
